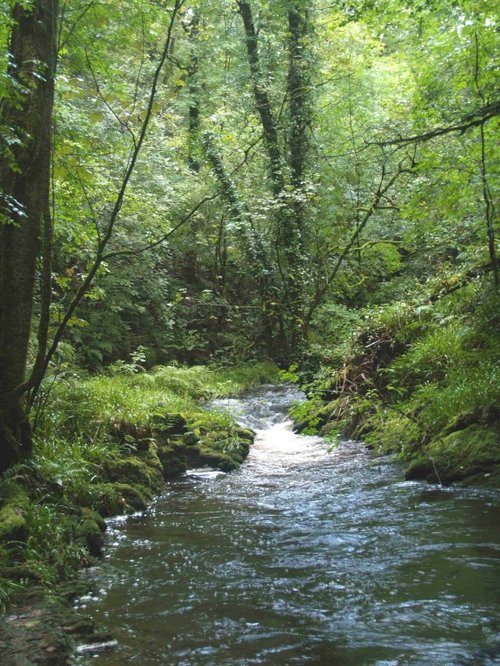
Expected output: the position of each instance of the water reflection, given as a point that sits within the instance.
(303, 557)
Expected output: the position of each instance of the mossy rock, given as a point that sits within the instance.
(388, 431)
(171, 424)
(245, 434)
(89, 514)
(223, 447)
(133, 470)
(90, 533)
(12, 524)
(173, 458)
(311, 416)
(235, 448)
(136, 498)
(216, 459)
(113, 499)
(190, 438)
(13, 493)
(12, 521)
(150, 456)
(466, 456)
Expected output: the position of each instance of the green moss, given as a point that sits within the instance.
(112, 499)
(309, 416)
(245, 434)
(216, 459)
(390, 431)
(90, 533)
(171, 424)
(471, 453)
(173, 456)
(235, 448)
(12, 524)
(150, 457)
(211, 440)
(133, 470)
(89, 514)
(190, 438)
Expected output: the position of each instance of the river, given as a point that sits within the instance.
(305, 555)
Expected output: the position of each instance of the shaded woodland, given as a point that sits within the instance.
(239, 185)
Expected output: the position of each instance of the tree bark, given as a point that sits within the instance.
(298, 148)
(25, 184)
(191, 26)
(114, 215)
(262, 100)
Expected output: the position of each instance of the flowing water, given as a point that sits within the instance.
(303, 556)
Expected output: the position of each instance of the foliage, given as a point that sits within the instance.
(336, 229)
(104, 444)
(415, 374)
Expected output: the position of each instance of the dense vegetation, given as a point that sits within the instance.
(222, 183)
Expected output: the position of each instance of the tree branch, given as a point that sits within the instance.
(475, 119)
(84, 287)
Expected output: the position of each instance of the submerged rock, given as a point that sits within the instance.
(41, 632)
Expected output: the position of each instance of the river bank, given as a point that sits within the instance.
(419, 380)
(131, 436)
(105, 447)
(306, 554)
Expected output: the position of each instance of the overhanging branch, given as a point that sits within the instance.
(475, 119)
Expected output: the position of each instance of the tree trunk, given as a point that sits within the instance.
(298, 149)
(24, 180)
(262, 100)
(251, 242)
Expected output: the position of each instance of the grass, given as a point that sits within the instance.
(417, 373)
(84, 408)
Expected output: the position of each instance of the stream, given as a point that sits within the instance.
(305, 555)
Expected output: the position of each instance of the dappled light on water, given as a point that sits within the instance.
(303, 556)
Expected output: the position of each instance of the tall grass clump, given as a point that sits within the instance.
(86, 408)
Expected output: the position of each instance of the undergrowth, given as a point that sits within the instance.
(416, 372)
(84, 408)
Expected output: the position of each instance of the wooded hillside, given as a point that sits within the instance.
(234, 180)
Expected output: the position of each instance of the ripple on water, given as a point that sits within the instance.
(303, 556)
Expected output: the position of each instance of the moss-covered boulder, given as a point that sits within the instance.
(13, 525)
(174, 458)
(190, 438)
(150, 456)
(114, 499)
(133, 470)
(245, 434)
(171, 424)
(135, 435)
(216, 459)
(221, 448)
(90, 531)
(95, 516)
(468, 455)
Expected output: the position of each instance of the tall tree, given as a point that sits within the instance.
(25, 186)
(287, 191)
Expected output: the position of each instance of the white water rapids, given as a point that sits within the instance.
(303, 556)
